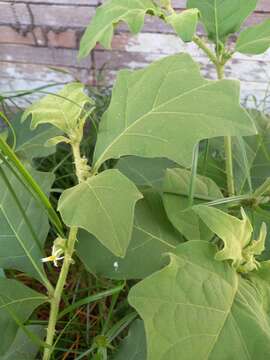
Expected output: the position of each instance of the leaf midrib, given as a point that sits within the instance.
(99, 160)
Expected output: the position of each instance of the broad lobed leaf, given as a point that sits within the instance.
(104, 206)
(199, 308)
(222, 17)
(109, 15)
(63, 110)
(152, 112)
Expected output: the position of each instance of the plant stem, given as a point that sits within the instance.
(57, 294)
(219, 63)
(227, 145)
(203, 46)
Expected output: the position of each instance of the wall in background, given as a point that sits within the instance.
(37, 34)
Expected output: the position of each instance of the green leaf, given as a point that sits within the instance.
(104, 207)
(222, 17)
(17, 302)
(152, 112)
(133, 346)
(254, 40)
(198, 308)
(57, 140)
(30, 143)
(175, 197)
(152, 234)
(261, 279)
(23, 223)
(143, 171)
(22, 347)
(63, 110)
(236, 236)
(107, 18)
(253, 169)
(184, 23)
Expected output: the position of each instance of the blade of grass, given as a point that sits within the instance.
(90, 299)
(33, 185)
(8, 123)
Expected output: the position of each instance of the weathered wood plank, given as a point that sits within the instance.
(33, 72)
(16, 14)
(57, 2)
(42, 55)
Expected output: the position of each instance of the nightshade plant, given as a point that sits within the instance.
(160, 212)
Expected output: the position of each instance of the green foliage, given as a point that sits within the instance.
(153, 121)
(109, 15)
(236, 235)
(134, 345)
(173, 160)
(176, 202)
(198, 308)
(254, 40)
(30, 144)
(17, 302)
(184, 23)
(152, 234)
(64, 110)
(24, 223)
(222, 17)
(97, 196)
(23, 348)
(145, 172)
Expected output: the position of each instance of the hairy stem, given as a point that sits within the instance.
(203, 46)
(57, 294)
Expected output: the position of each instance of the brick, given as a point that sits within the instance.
(64, 39)
(13, 36)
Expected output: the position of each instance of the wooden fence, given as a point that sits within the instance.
(37, 34)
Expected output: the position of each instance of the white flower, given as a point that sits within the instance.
(57, 251)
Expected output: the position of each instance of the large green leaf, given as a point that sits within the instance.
(222, 17)
(199, 308)
(104, 207)
(23, 348)
(17, 302)
(143, 171)
(254, 40)
(62, 110)
(23, 223)
(175, 196)
(133, 346)
(152, 112)
(30, 143)
(152, 236)
(109, 15)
